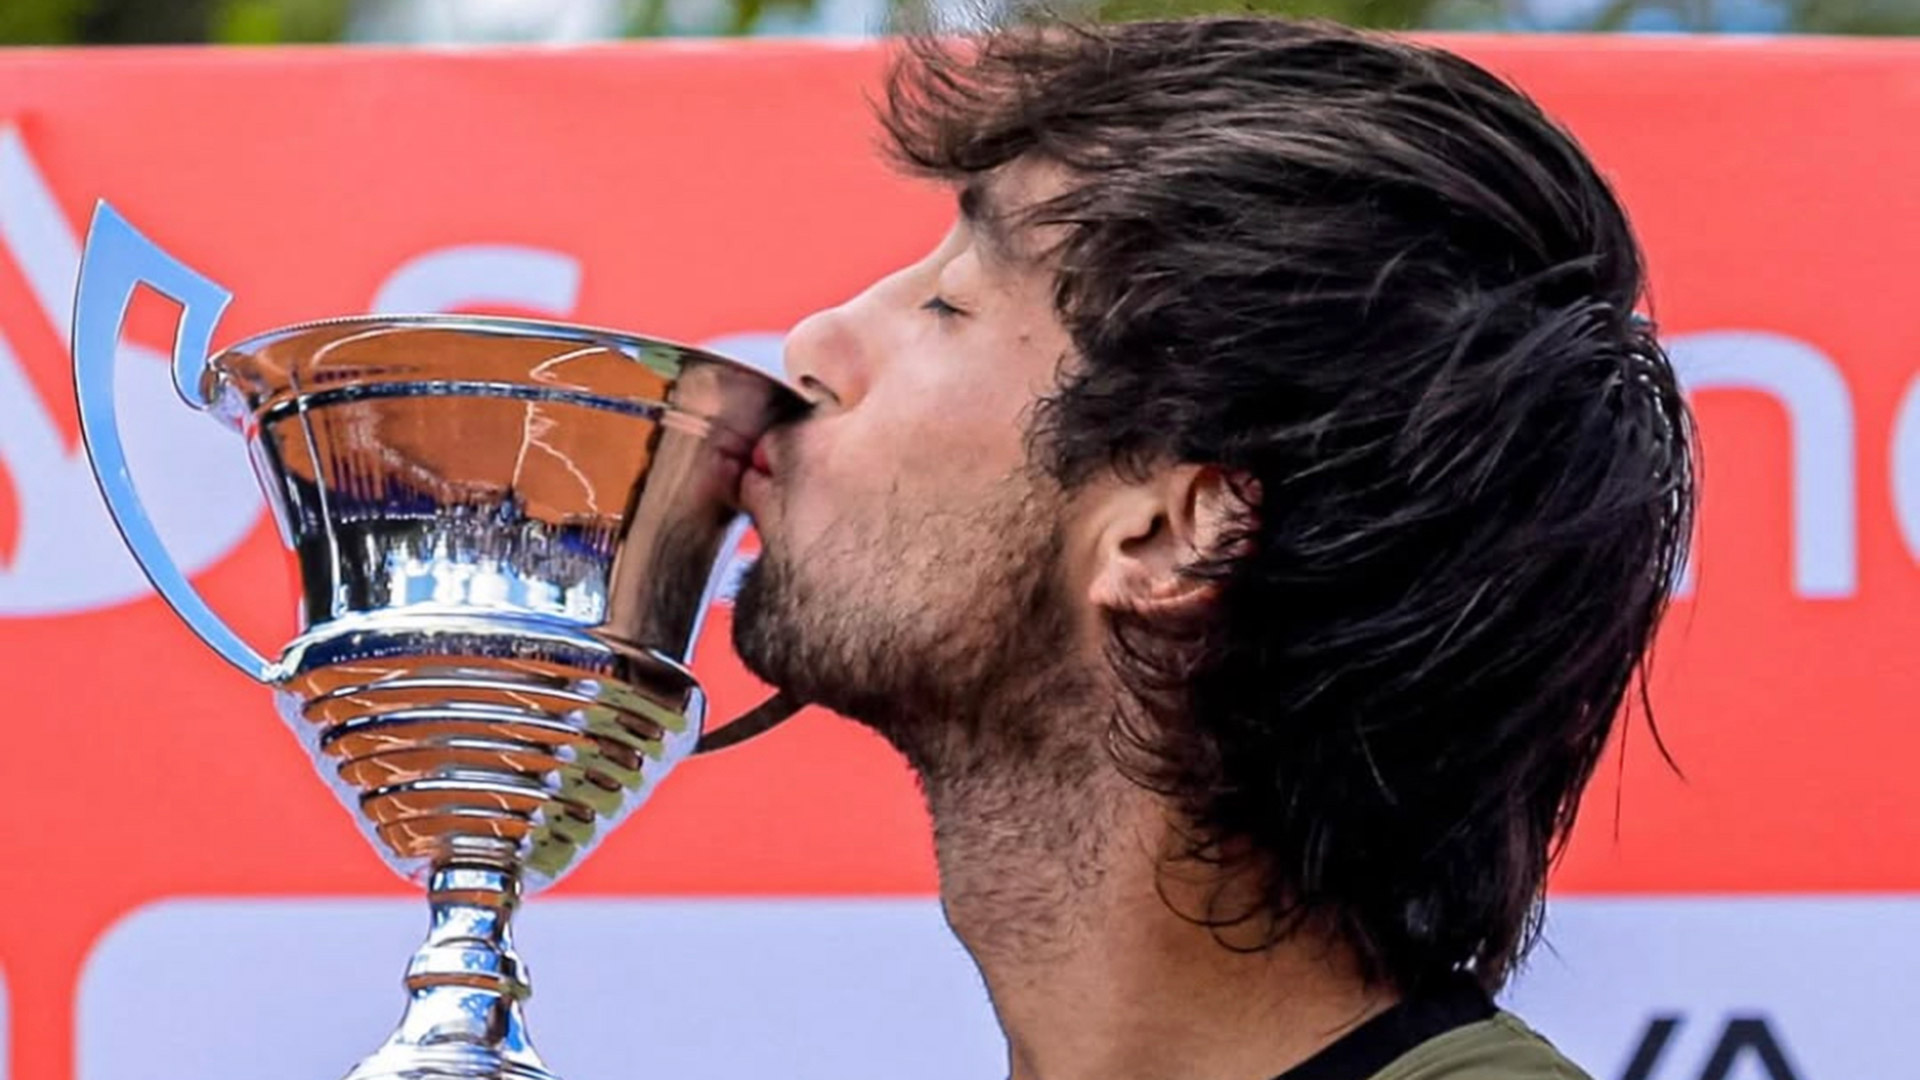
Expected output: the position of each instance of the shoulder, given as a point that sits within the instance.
(1501, 1047)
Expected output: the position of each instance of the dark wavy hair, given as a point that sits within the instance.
(1379, 288)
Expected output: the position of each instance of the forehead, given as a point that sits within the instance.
(994, 206)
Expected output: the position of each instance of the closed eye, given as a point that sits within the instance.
(941, 308)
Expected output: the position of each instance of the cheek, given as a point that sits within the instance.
(950, 422)
(862, 474)
(939, 428)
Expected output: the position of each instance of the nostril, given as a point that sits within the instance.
(817, 392)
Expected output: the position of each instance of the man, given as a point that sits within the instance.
(1247, 522)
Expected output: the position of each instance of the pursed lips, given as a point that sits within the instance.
(757, 475)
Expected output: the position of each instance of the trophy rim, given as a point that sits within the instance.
(552, 328)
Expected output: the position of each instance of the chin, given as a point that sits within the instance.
(763, 636)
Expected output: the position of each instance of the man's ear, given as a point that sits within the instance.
(1151, 531)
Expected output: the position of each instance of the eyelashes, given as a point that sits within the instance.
(941, 308)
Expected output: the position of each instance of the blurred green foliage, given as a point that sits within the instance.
(167, 22)
(67, 22)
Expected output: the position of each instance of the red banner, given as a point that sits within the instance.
(718, 193)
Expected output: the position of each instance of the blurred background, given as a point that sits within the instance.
(66, 22)
(187, 903)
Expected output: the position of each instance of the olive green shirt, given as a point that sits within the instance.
(1500, 1047)
(1453, 1031)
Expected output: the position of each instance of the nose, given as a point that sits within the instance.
(824, 359)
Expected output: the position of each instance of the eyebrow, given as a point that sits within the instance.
(988, 224)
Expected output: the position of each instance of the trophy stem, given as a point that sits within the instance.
(465, 986)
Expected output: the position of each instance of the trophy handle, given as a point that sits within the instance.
(748, 724)
(117, 260)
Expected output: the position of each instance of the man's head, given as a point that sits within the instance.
(1275, 425)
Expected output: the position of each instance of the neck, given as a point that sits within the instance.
(1061, 894)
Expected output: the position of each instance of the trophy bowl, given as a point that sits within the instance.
(506, 534)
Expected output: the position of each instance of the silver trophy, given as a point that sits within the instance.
(507, 533)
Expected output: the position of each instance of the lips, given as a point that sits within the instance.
(755, 477)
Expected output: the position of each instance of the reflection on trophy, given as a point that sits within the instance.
(507, 533)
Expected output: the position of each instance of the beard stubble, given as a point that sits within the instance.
(948, 632)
